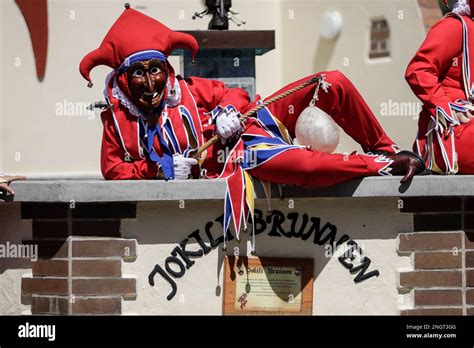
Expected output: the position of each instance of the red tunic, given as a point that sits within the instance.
(123, 156)
(439, 76)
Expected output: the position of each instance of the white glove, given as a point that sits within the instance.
(182, 166)
(228, 124)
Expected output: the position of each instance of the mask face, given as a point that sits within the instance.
(147, 82)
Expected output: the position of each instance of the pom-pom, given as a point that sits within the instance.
(317, 129)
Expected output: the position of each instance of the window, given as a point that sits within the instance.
(379, 39)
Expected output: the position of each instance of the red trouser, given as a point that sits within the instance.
(311, 168)
(464, 140)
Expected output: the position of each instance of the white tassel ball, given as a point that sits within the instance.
(317, 129)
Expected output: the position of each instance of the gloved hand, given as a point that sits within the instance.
(5, 181)
(182, 166)
(228, 124)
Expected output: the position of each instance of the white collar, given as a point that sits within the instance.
(174, 94)
(118, 94)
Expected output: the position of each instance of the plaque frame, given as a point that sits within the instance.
(229, 284)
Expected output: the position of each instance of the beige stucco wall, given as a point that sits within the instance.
(379, 80)
(200, 290)
(34, 139)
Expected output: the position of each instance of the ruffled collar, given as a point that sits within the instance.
(127, 103)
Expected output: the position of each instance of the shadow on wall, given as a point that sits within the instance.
(13, 232)
(324, 53)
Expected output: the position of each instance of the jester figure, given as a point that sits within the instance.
(440, 75)
(156, 120)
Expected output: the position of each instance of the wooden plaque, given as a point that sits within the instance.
(268, 286)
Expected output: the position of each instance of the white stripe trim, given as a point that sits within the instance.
(197, 112)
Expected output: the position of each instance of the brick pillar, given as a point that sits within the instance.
(470, 271)
(430, 11)
(79, 270)
(442, 254)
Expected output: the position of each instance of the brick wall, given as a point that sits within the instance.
(430, 11)
(79, 270)
(442, 253)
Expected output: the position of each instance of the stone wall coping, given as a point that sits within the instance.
(154, 190)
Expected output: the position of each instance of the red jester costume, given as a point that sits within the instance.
(440, 76)
(187, 110)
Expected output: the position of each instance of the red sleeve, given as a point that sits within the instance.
(434, 58)
(212, 93)
(112, 157)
